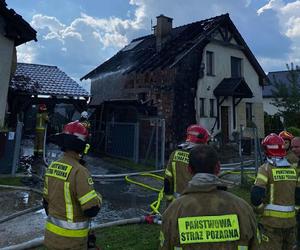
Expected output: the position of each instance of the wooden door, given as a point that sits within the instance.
(224, 124)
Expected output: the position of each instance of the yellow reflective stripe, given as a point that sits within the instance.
(161, 238)
(59, 170)
(271, 193)
(40, 128)
(278, 214)
(242, 247)
(284, 174)
(68, 201)
(168, 173)
(174, 175)
(261, 177)
(66, 232)
(201, 229)
(45, 190)
(87, 197)
(181, 156)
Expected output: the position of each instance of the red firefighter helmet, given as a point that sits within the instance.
(74, 137)
(286, 135)
(76, 129)
(197, 134)
(273, 145)
(42, 107)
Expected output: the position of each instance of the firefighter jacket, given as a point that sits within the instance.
(41, 120)
(68, 191)
(177, 175)
(291, 157)
(277, 209)
(207, 217)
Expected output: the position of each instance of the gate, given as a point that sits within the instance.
(122, 140)
(142, 142)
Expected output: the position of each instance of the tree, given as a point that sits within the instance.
(286, 97)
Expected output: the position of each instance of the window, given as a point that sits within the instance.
(248, 112)
(209, 63)
(202, 107)
(212, 107)
(236, 67)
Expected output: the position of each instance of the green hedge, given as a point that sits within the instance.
(295, 131)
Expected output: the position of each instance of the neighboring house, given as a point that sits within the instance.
(202, 72)
(279, 77)
(14, 31)
(34, 84)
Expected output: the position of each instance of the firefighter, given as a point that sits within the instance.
(84, 119)
(69, 197)
(288, 137)
(176, 174)
(206, 216)
(41, 121)
(273, 196)
(295, 146)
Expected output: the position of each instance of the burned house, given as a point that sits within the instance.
(202, 72)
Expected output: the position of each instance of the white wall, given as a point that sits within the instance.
(222, 69)
(6, 55)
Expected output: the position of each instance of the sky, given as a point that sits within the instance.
(79, 35)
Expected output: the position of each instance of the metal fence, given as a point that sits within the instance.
(142, 142)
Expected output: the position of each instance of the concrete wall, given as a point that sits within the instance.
(222, 69)
(6, 58)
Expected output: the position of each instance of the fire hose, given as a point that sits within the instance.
(149, 219)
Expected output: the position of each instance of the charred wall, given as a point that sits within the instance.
(188, 72)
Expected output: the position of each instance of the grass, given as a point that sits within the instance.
(142, 236)
(13, 181)
(128, 164)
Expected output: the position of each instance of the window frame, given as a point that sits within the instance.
(210, 63)
(238, 71)
(212, 107)
(249, 111)
(202, 107)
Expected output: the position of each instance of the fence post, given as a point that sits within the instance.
(241, 154)
(156, 143)
(136, 143)
(255, 148)
(106, 135)
(18, 137)
(163, 141)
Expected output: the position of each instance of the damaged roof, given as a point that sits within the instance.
(16, 28)
(36, 79)
(141, 54)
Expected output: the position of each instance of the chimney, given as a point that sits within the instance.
(162, 30)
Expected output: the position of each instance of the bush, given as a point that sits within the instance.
(295, 131)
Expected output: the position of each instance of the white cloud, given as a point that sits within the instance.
(79, 45)
(288, 15)
(26, 53)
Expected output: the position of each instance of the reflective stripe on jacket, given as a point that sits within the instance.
(177, 172)
(68, 189)
(279, 204)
